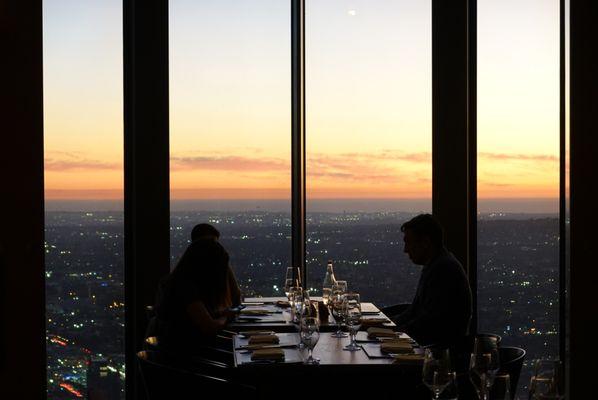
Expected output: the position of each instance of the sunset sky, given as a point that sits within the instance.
(368, 98)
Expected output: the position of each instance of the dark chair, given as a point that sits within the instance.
(511, 362)
(395, 309)
(461, 351)
(167, 378)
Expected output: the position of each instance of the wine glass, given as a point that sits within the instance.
(288, 282)
(352, 318)
(296, 302)
(326, 293)
(437, 373)
(310, 334)
(338, 308)
(484, 364)
(547, 380)
(501, 389)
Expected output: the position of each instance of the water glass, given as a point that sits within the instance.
(310, 334)
(501, 389)
(338, 310)
(352, 318)
(296, 302)
(437, 372)
(547, 380)
(484, 364)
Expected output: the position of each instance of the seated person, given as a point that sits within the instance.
(193, 302)
(209, 232)
(441, 309)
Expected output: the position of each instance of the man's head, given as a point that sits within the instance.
(204, 231)
(423, 237)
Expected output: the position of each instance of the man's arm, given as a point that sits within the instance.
(435, 308)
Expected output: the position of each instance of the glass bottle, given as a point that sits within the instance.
(329, 281)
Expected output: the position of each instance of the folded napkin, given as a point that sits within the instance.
(374, 333)
(268, 354)
(374, 321)
(255, 333)
(283, 303)
(396, 346)
(254, 311)
(264, 339)
(408, 358)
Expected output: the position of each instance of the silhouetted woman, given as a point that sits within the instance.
(193, 302)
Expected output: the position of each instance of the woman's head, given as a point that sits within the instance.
(205, 264)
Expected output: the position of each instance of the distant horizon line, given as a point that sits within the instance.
(526, 205)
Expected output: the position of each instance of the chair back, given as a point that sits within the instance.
(462, 349)
(165, 379)
(511, 362)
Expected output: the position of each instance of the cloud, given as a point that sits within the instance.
(380, 167)
(60, 161)
(230, 163)
(519, 157)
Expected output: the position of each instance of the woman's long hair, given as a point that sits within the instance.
(205, 265)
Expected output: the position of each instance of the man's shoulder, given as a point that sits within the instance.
(447, 262)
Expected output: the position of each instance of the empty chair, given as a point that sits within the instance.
(395, 309)
(461, 351)
(511, 362)
(165, 378)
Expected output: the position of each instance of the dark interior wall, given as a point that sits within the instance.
(584, 196)
(22, 307)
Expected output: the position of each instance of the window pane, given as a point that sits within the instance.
(230, 112)
(518, 174)
(83, 125)
(369, 140)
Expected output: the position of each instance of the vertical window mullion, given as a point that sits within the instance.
(298, 136)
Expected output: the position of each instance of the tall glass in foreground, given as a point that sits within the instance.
(437, 372)
(352, 318)
(547, 380)
(484, 364)
(288, 283)
(310, 334)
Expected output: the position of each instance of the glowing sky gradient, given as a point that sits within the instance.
(368, 98)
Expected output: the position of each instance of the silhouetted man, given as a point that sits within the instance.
(207, 231)
(441, 309)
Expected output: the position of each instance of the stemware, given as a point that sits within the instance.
(437, 373)
(336, 305)
(296, 302)
(352, 318)
(310, 334)
(501, 389)
(547, 380)
(484, 364)
(338, 309)
(288, 282)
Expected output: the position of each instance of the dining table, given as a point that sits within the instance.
(272, 313)
(339, 372)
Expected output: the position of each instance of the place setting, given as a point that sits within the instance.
(266, 347)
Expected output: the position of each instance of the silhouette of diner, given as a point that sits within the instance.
(441, 309)
(209, 232)
(194, 301)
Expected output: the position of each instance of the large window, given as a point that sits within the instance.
(518, 174)
(83, 128)
(369, 140)
(230, 133)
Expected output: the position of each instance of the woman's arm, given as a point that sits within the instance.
(203, 321)
(233, 287)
